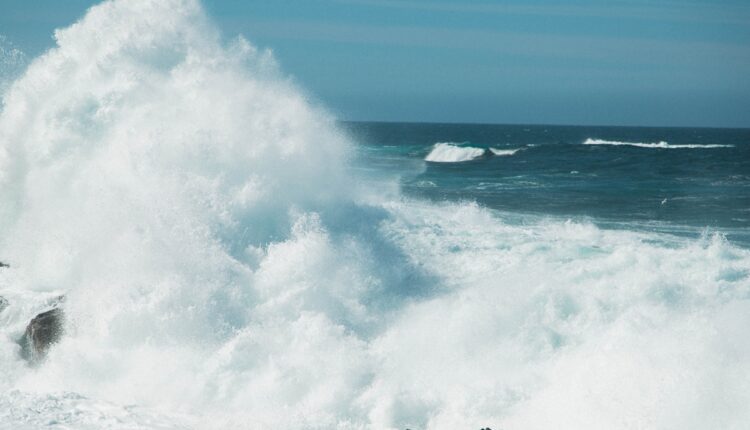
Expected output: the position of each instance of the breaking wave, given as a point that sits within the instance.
(657, 145)
(447, 152)
(223, 268)
(504, 152)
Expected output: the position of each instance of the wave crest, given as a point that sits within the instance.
(504, 152)
(656, 145)
(447, 152)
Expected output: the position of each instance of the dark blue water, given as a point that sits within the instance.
(669, 188)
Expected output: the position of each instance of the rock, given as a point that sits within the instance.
(3, 264)
(44, 330)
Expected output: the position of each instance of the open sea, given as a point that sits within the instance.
(684, 181)
(211, 251)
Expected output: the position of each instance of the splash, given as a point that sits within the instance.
(223, 267)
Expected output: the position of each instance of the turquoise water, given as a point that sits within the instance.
(678, 180)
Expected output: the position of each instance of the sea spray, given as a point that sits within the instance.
(223, 269)
(12, 62)
(146, 168)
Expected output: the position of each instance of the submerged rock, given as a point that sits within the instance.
(44, 330)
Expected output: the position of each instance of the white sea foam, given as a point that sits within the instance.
(657, 145)
(23, 410)
(222, 272)
(504, 152)
(447, 152)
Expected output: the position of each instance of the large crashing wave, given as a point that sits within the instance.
(221, 270)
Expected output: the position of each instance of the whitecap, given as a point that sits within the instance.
(656, 145)
(504, 152)
(448, 152)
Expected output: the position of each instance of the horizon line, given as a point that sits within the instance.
(538, 124)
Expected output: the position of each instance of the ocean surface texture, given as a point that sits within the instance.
(227, 255)
(679, 180)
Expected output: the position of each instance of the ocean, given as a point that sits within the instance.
(224, 254)
(684, 181)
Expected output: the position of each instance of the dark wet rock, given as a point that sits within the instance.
(3, 264)
(44, 330)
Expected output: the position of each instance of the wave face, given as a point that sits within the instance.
(657, 145)
(223, 269)
(452, 153)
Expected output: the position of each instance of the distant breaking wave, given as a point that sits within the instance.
(504, 152)
(659, 145)
(447, 152)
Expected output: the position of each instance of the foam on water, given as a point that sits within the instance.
(504, 152)
(447, 152)
(656, 145)
(221, 270)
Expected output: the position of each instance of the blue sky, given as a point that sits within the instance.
(563, 62)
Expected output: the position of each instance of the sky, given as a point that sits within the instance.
(637, 62)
